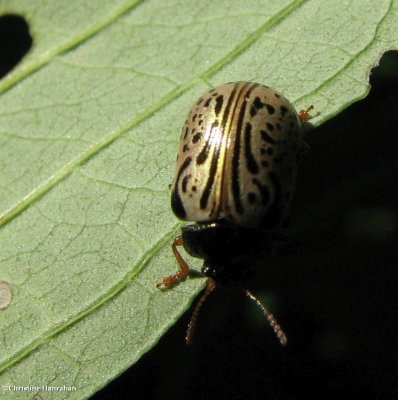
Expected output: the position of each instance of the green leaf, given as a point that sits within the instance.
(89, 128)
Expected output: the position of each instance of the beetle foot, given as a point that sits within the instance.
(172, 280)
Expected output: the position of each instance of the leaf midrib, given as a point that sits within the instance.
(92, 307)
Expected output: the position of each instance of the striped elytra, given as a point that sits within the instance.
(237, 159)
(235, 177)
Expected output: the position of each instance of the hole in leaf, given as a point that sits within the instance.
(384, 77)
(15, 41)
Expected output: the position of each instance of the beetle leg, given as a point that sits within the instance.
(305, 114)
(183, 273)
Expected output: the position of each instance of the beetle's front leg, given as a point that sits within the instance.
(182, 274)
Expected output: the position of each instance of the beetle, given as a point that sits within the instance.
(235, 177)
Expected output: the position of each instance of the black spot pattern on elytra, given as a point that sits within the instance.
(201, 158)
(196, 137)
(267, 137)
(278, 126)
(185, 148)
(256, 105)
(270, 151)
(219, 103)
(186, 133)
(204, 153)
(176, 202)
(207, 102)
(270, 126)
(284, 111)
(250, 160)
(212, 170)
(270, 109)
(185, 183)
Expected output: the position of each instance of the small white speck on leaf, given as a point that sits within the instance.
(5, 294)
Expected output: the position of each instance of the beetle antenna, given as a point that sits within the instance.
(270, 318)
(211, 285)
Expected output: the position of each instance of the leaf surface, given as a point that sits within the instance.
(89, 129)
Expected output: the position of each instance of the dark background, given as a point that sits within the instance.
(333, 284)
